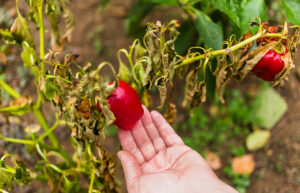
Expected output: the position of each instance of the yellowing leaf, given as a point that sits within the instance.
(257, 139)
(243, 165)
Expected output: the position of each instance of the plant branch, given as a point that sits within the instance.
(227, 51)
(9, 89)
(41, 119)
(21, 141)
(42, 31)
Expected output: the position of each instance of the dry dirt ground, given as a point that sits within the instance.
(277, 165)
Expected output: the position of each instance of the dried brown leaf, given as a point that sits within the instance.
(170, 114)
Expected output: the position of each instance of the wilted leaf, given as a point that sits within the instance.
(162, 94)
(243, 165)
(199, 94)
(190, 83)
(105, 91)
(223, 74)
(170, 114)
(85, 108)
(213, 160)
(6, 176)
(124, 73)
(23, 175)
(257, 139)
(21, 31)
(139, 51)
(288, 66)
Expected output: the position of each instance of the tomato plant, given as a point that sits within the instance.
(87, 104)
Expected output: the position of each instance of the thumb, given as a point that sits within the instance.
(130, 166)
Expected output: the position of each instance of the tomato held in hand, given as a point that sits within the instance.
(270, 65)
(126, 106)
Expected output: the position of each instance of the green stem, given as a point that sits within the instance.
(92, 180)
(42, 31)
(41, 119)
(41, 138)
(227, 50)
(21, 141)
(57, 77)
(9, 89)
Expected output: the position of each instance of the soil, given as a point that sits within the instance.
(277, 165)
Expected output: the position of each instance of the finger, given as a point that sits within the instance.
(131, 167)
(142, 141)
(152, 131)
(128, 144)
(165, 130)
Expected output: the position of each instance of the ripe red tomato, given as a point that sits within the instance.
(269, 66)
(126, 106)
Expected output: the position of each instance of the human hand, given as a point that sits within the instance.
(155, 160)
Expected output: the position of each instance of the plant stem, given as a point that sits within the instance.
(227, 50)
(41, 119)
(21, 141)
(92, 180)
(42, 31)
(9, 89)
(41, 138)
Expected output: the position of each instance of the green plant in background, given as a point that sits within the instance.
(240, 181)
(235, 121)
(95, 37)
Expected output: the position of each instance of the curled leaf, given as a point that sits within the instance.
(223, 74)
(20, 30)
(85, 108)
(288, 66)
(170, 114)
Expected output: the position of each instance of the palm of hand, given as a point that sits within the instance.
(155, 160)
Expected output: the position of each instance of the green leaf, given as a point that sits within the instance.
(6, 176)
(230, 8)
(257, 139)
(271, 107)
(51, 87)
(139, 10)
(210, 33)
(251, 9)
(292, 10)
(28, 55)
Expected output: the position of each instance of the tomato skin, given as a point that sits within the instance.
(126, 106)
(269, 66)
